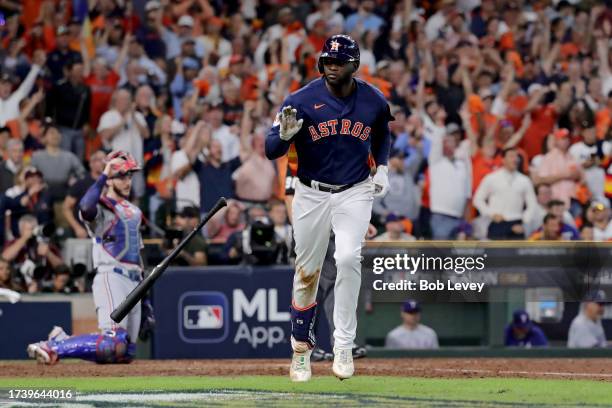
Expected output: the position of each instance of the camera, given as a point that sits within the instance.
(42, 233)
(263, 245)
(171, 236)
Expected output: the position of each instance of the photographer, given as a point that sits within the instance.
(32, 254)
(194, 253)
(258, 244)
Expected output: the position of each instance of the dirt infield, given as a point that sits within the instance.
(591, 369)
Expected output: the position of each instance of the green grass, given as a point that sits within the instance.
(506, 390)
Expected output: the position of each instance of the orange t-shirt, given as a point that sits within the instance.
(542, 123)
(481, 166)
(516, 109)
(603, 119)
(488, 120)
(101, 92)
(30, 11)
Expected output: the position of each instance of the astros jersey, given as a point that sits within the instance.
(116, 232)
(338, 134)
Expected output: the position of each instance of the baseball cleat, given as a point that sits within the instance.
(359, 352)
(300, 363)
(42, 353)
(300, 367)
(57, 334)
(343, 367)
(318, 354)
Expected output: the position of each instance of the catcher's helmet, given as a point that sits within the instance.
(129, 164)
(341, 47)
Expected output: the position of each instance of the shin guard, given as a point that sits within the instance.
(302, 324)
(112, 346)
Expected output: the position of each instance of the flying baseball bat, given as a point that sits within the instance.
(143, 287)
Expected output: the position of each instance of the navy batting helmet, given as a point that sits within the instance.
(341, 47)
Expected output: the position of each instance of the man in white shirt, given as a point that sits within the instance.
(589, 153)
(230, 141)
(506, 196)
(450, 177)
(543, 197)
(187, 190)
(325, 12)
(437, 23)
(212, 40)
(123, 128)
(9, 102)
(411, 334)
(602, 226)
(586, 330)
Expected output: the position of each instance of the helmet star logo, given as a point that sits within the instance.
(334, 45)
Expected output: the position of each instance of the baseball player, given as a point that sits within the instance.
(586, 330)
(522, 332)
(335, 122)
(327, 278)
(113, 223)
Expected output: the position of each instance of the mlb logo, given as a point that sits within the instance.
(203, 317)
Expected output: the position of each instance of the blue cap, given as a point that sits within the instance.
(520, 319)
(411, 306)
(392, 217)
(597, 296)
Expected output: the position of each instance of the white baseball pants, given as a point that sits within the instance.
(109, 289)
(315, 213)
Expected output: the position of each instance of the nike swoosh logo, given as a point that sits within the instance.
(319, 106)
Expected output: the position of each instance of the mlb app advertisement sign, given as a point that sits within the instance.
(206, 317)
(223, 312)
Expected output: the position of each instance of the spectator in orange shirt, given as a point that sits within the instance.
(603, 118)
(543, 115)
(102, 81)
(40, 36)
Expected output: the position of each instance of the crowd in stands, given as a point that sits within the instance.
(502, 130)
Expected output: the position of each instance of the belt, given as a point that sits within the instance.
(131, 275)
(327, 188)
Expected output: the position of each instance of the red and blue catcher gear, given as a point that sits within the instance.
(129, 164)
(112, 346)
(342, 48)
(120, 239)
